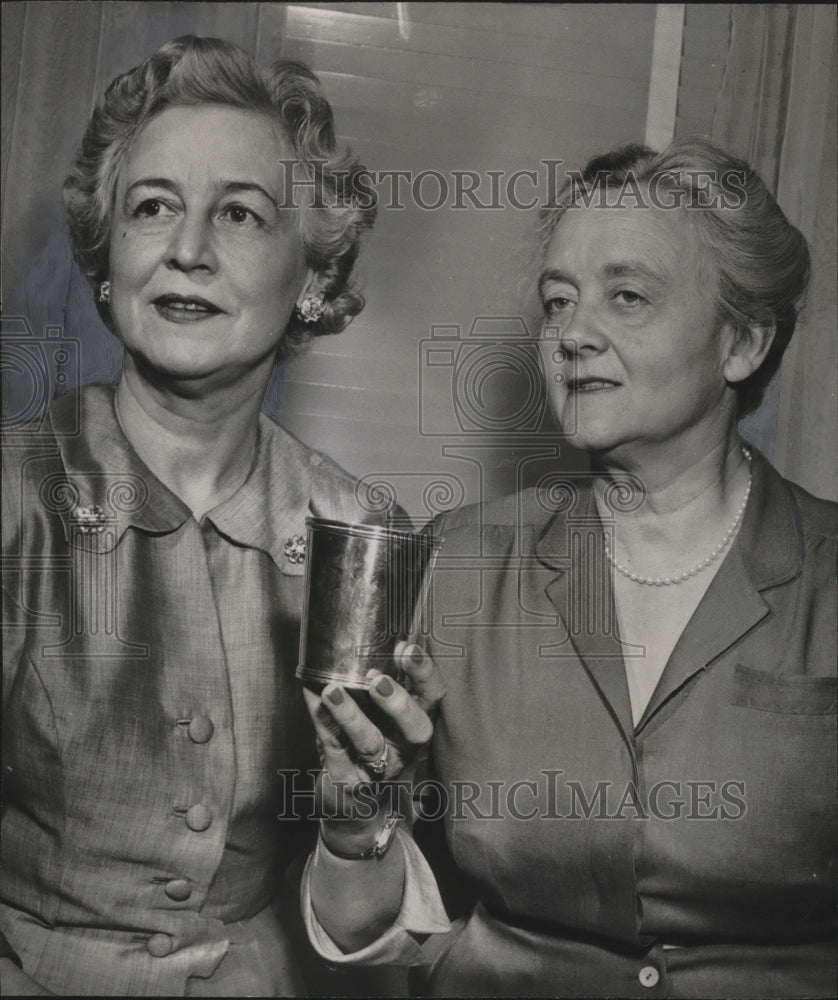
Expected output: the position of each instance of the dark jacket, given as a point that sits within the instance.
(692, 855)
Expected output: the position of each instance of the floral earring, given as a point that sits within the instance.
(311, 308)
(105, 293)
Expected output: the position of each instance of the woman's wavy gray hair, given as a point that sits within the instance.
(336, 206)
(762, 260)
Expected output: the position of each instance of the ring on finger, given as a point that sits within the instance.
(378, 766)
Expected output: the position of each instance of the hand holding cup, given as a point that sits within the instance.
(357, 751)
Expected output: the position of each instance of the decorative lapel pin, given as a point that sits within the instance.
(89, 520)
(295, 549)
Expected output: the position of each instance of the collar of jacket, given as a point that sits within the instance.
(767, 552)
(102, 470)
(770, 539)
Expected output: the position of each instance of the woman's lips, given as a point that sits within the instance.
(591, 384)
(185, 308)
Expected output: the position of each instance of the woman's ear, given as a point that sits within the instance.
(310, 286)
(749, 344)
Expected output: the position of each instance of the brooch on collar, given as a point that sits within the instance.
(89, 520)
(295, 549)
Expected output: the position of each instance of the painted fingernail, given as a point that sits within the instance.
(335, 696)
(416, 655)
(385, 687)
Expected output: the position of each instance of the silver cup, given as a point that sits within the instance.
(364, 586)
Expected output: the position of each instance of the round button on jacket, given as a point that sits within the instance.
(159, 945)
(649, 976)
(178, 889)
(198, 817)
(200, 729)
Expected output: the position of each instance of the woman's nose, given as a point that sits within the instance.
(584, 334)
(192, 246)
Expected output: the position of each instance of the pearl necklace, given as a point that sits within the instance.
(711, 558)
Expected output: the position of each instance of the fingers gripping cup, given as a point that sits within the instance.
(364, 585)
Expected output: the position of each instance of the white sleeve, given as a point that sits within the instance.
(421, 913)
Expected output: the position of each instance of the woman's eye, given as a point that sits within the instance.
(556, 305)
(629, 298)
(240, 215)
(152, 208)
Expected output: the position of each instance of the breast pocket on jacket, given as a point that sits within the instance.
(764, 692)
(777, 743)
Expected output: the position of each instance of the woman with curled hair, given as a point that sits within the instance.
(635, 753)
(315, 175)
(154, 734)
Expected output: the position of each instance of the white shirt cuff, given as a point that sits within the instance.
(421, 913)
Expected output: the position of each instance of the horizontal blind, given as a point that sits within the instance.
(451, 87)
